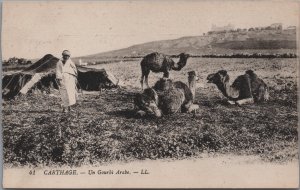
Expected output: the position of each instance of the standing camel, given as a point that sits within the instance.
(158, 62)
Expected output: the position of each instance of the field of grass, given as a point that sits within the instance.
(103, 127)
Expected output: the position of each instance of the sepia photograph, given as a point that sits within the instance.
(150, 94)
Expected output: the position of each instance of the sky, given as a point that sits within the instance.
(33, 29)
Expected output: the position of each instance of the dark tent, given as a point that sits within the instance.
(47, 63)
(41, 75)
(94, 79)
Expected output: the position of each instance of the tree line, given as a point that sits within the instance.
(16, 61)
(254, 55)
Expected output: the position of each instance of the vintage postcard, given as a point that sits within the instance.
(150, 94)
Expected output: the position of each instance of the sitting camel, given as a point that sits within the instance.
(158, 62)
(167, 97)
(247, 88)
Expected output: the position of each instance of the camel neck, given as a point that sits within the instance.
(180, 64)
(192, 86)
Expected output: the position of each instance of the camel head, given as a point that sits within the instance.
(182, 60)
(249, 72)
(218, 78)
(148, 101)
(184, 56)
(192, 75)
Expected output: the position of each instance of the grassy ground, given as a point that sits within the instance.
(103, 126)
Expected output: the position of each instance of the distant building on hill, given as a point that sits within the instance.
(222, 28)
(258, 28)
(276, 26)
(291, 28)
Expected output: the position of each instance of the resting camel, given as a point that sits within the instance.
(158, 62)
(167, 97)
(247, 88)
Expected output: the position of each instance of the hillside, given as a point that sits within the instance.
(267, 41)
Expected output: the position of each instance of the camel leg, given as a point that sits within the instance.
(266, 94)
(231, 102)
(146, 80)
(245, 101)
(193, 108)
(140, 113)
(142, 81)
(190, 107)
(145, 74)
(263, 94)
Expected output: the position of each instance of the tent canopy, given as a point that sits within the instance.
(41, 75)
(46, 64)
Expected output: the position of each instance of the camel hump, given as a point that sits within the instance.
(223, 72)
(251, 74)
(153, 60)
(241, 81)
(171, 101)
(154, 56)
(186, 90)
(163, 84)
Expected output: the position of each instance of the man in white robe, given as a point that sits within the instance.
(66, 74)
